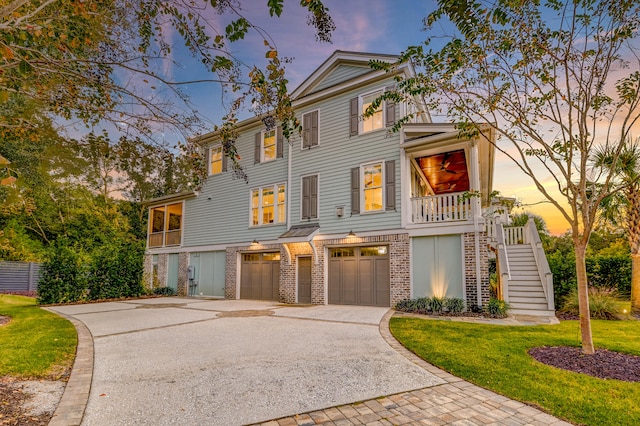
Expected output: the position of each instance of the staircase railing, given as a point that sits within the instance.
(546, 277)
(504, 271)
(515, 235)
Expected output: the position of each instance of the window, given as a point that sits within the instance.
(268, 145)
(215, 160)
(384, 115)
(165, 225)
(373, 187)
(310, 129)
(375, 121)
(310, 197)
(268, 205)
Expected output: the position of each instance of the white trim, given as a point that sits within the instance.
(276, 218)
(172, 247)
(464, 272)
(301, 219)
(325, 275)
(375, 93)
(238, 272)
(382, 187)
(211, 148)
(411, 283)
(263, 132)
(302, 148)
(422, 230)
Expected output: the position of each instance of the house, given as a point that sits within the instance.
(345, 213)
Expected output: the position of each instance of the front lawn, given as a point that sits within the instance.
(34, 343)
(495, 357)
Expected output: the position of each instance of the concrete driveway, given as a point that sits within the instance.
(230, 362)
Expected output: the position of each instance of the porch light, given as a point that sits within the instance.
(351, 234)
(254, 242)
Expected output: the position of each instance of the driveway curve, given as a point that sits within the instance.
(231, 362)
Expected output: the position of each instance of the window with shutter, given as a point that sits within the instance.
(215, 160)
(383, 116)
(355, 190)
(310, 129)
(310, 197)
(268, 145)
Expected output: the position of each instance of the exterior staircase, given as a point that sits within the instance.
(525, 278)
(526, 295)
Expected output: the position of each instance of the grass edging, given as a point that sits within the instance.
(495, 357)
(35, 344)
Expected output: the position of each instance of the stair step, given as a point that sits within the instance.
(536, 312)
(525, 286)
(515, 274)
(527, 300)
(529, 306)
(516, 291)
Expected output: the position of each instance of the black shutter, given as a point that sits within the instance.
(224, 159)
(353, 117)
(207, 159)
(306, 131)
(306, 198)
(257, 148)
(314, 128)
(390, 185)
(313, 196)
(390, 110)
(355, 190)
(279, 143)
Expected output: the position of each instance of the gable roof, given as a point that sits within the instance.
(339, 67)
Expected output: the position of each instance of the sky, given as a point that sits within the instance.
(376, 26)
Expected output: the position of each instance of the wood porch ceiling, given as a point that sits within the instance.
(446, 172)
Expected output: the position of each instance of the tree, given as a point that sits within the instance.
(552, 81)
(110, 60)
(623, 207)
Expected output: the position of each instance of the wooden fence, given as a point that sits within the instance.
(19, 276)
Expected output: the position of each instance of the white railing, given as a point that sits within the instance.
(504, 271)
(515, 235)
(490, 228)
(546, 277)
(441, 208)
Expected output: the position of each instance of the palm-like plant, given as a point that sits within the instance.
(623, 207)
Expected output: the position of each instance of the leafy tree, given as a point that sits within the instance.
(110, 60)
(552, 81)
(623, 207)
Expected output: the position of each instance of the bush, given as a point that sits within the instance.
(63, 278)
(454, 305)
(602, 303)
(116, 271)
(426, 305)
(164, 291)
(496, 308)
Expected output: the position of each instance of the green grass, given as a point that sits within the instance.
(495, 357)
(35, 343)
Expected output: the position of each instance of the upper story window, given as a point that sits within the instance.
(310, 197)
(384, 115)
(268, 145)
(165, 225)
(310, 129)
(268, 205)
(373, 187)
(215, 160)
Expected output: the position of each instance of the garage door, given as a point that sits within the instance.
(260, 276)
(359, 276)
(209, 273)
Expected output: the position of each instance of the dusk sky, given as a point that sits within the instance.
(376, 26)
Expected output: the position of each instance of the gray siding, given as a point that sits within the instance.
(333, 159)
(339, 74)
(220, 214)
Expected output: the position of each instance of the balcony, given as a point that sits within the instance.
(452, 207)
(168, 238)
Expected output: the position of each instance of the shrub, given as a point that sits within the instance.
(168, 291)
(63, 277)
(437, 303)
(602, 303)
(116, 271)
(496, 308)
(454, 305)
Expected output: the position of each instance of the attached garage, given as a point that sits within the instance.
(359, 276)
(260, 276)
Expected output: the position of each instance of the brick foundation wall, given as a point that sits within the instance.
(471, 279)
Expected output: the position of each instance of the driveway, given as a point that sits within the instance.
(230, 362)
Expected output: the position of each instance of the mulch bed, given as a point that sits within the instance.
(603, 364)
(12, 399)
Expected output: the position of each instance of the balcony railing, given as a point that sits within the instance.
(441, 208)
(170, 238)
